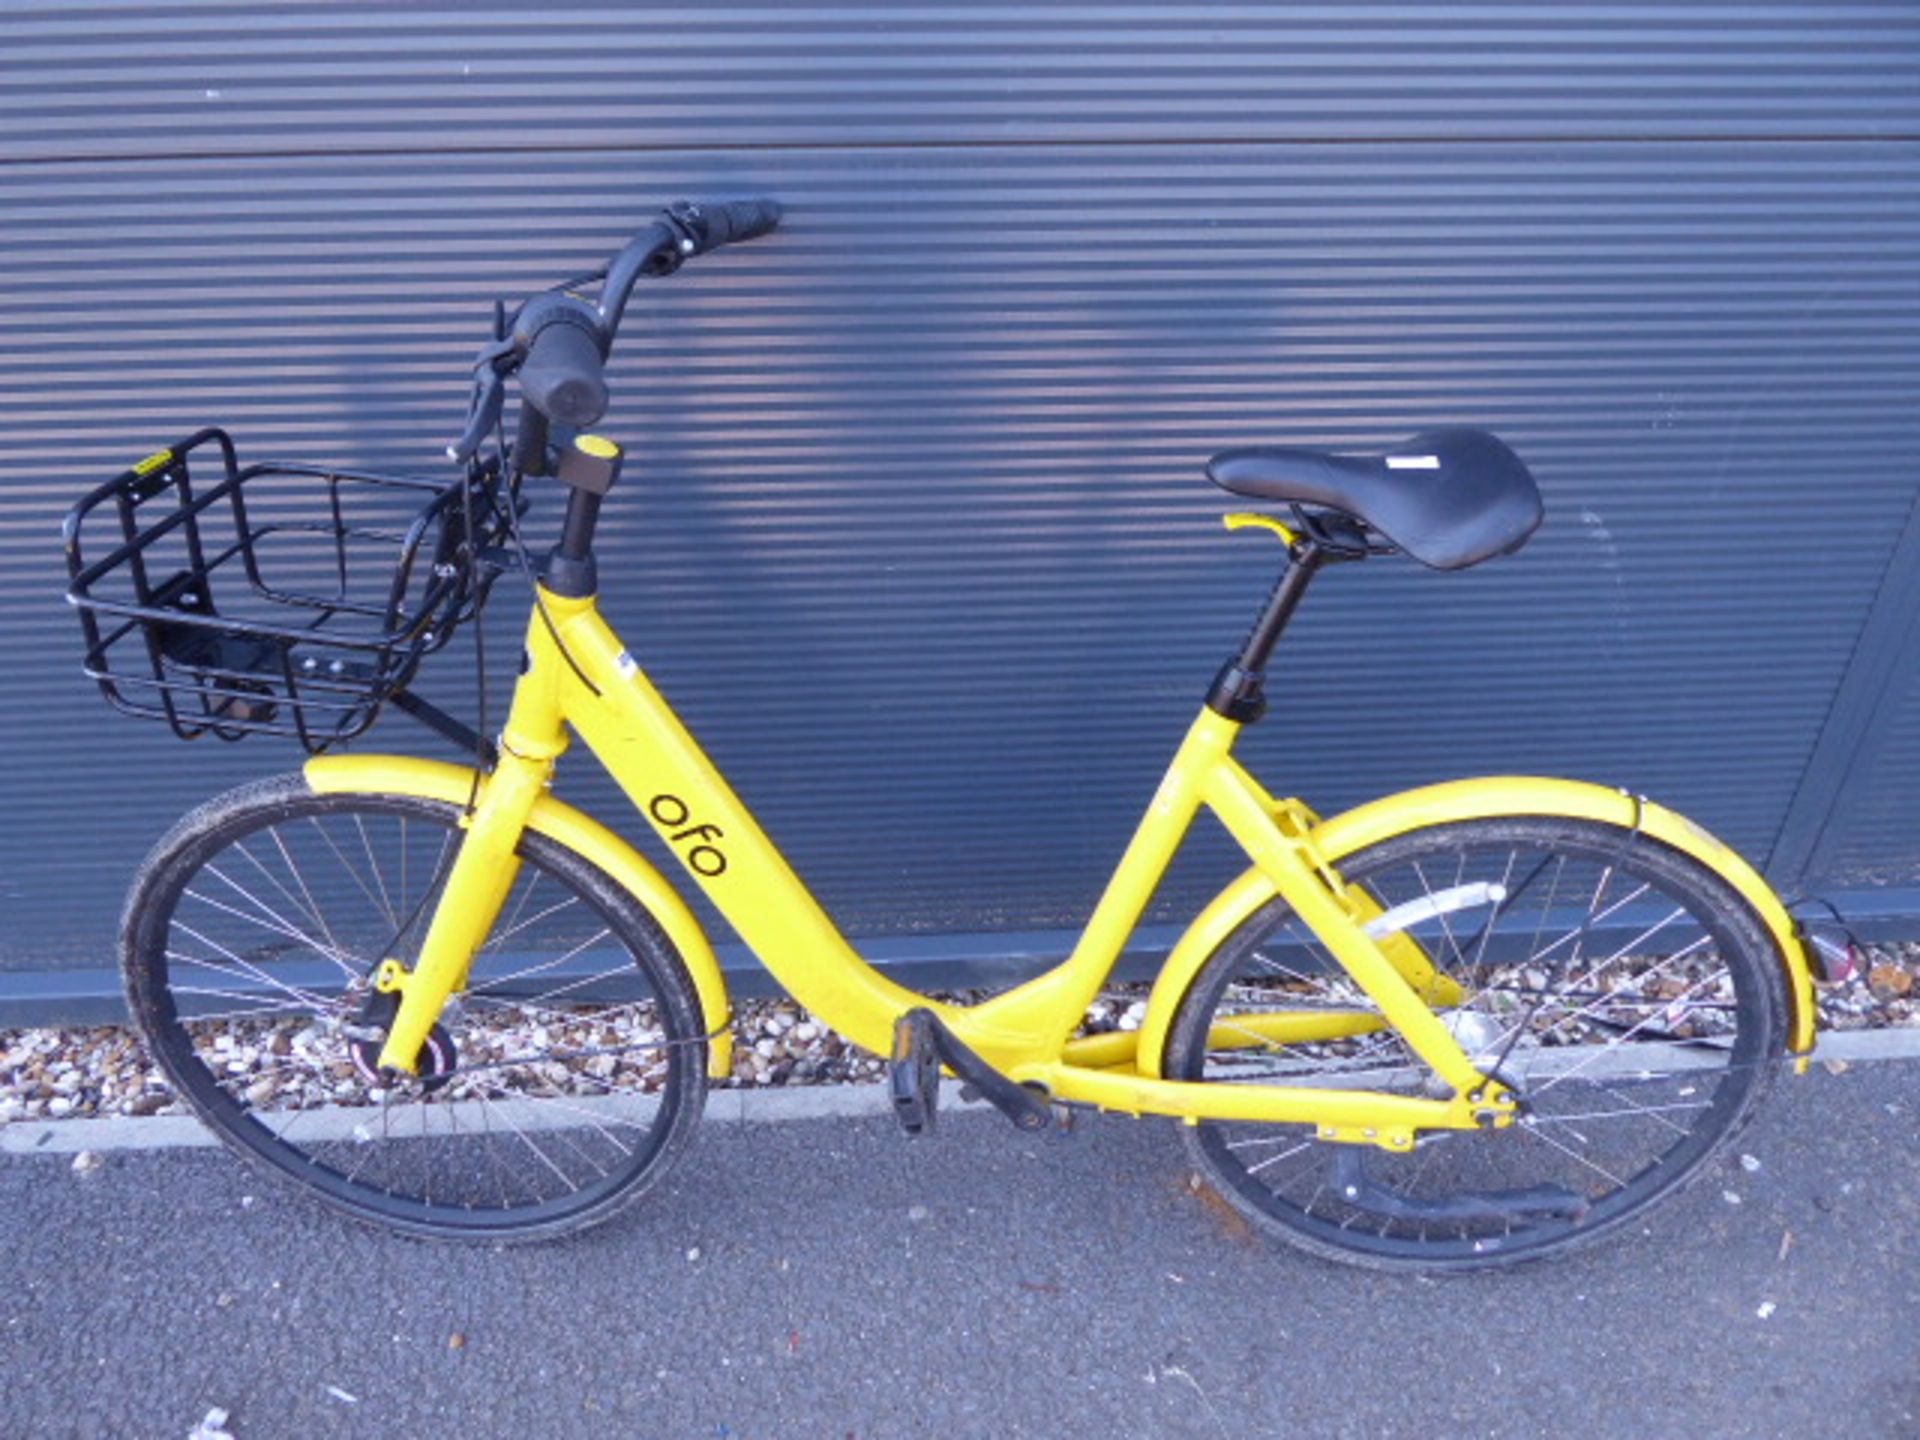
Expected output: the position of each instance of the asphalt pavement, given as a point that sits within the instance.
(829, 1278)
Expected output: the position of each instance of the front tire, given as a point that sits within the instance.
(1624, 991)
(561, 1084)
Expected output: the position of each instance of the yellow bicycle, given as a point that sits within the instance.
(1462, 1026)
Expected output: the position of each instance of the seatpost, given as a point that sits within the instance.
(1238, 691)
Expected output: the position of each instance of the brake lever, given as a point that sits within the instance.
(483, 413)
(490, 370)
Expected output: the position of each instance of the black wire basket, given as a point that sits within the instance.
(275, 599)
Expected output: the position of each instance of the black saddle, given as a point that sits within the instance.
(1449, 498)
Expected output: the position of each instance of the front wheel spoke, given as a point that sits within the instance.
(273, 924)
(304, 902)
(379, 878)
(555, 1100)
(488, 1111)
(518, 925)
(363, 1155)
(608, 1015)
(351, 870)
(242, 969)
(258, 1003)
(493, 983)
(545, 1159)
(509, 921)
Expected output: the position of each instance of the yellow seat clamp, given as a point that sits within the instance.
(1247, 519)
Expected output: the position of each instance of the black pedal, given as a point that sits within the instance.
(913, 1072)
(921, 1045)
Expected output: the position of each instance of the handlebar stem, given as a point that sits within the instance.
(530, 442)
(570, 570)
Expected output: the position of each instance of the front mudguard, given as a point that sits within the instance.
(577, 831)
(1480, 799)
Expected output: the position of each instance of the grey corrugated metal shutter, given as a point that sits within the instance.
(1877, 845)
(915, 531)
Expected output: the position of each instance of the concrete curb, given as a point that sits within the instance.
(752, 1106)
(171, 1132)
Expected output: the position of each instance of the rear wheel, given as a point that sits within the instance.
(559, 1085)
(1623, 991)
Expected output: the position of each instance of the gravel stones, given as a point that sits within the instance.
(50, 1074)
(57, 1074)
(1883, 995)
(778, 1043)
(1890, 982)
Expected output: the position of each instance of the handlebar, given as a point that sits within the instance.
(683, 231)
(560, 342)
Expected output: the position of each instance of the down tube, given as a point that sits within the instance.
(670, 780)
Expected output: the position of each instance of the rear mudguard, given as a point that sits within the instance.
(1347, 834)
(581, 833)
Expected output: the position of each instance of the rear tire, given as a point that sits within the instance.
(577, 1051)
(1626, 992)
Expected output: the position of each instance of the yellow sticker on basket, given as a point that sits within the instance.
(154, 462)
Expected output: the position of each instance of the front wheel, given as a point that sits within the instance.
(1622, 990)
(558, 1086)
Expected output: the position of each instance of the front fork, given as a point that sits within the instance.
(482, 873)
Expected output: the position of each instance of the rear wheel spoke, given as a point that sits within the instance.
(1617, 988)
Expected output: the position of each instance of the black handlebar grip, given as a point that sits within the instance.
(564, 376)
(714, 223)
(731, 221)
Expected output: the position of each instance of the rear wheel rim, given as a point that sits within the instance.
(1618, 990)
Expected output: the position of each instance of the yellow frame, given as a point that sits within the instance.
(578, 674)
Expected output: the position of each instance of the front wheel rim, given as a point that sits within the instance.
(575, 1075)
